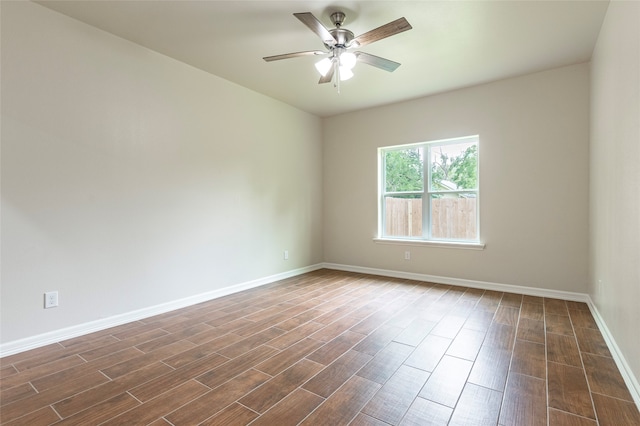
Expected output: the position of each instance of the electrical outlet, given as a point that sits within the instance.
(407, 255)
(50, 299)
(286, 255)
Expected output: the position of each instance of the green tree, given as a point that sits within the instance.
(440, 168)
(403, 170)
(465, 168)
(462, 170)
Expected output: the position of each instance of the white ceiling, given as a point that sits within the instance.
(453, 44)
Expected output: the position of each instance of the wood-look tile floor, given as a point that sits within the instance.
(331, 348)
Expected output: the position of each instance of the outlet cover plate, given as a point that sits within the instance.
(50, 299)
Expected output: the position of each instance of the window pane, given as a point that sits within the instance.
(453, 217)
(454, 166)
(403, 170)
(403, 216)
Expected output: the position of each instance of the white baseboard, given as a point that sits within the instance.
(43, 339)
(629, 378)
(627, 374)
(484, 285)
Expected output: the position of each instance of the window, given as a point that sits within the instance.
(429, 191)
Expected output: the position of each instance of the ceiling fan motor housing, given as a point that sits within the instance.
(343, 38)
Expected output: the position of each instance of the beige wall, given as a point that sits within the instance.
(614, 258)
(130, 179)
(534, 140)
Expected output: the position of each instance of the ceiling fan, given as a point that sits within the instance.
(339, 61)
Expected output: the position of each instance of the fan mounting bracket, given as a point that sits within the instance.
(338, 18)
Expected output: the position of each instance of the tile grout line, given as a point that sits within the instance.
(584, 370)
(546, 362)
(513, 348)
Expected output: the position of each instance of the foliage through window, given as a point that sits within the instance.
(429, 191)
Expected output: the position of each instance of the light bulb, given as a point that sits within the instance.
(324, 66)
(348, 60)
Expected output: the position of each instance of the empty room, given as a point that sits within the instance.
(291, 212)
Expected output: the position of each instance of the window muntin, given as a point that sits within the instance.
(429, 191)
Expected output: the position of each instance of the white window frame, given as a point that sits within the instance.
(426, 193)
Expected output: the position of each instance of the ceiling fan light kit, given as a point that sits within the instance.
(339, 62)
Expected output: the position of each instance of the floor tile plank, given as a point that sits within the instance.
(299, 333)
(591, 341)
(278, 387)
(491, 368)
(385, 363)
(392, 401)
(555, 307)
(426, 413)
(217, 375)
(42, 417)
(344, 404)
(568, 390)
(466, 344)
(41, 370)
(210, 402)
(563, 349)
(364, 420)
(415, 332)
(377, 340)
(447, 381)
(507, 315)
(285, 359)
(525, 402)
(477, 406)
(336, 373)
(233, 415)
(155, 387)
(615, 412)
(104, 392)
(582, 318)
(333, 350)
(534, 311)
(558, 324)
(604, 377)
(291, 410)
(102, 411)
(54, 394)
(529, 358)
(160, 406)
(16, 393)
(428, 354)
(561, 418)
(531, 330)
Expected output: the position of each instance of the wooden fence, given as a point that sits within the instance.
(451, 218)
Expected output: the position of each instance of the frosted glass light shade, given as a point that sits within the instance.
(345, 73)
(348, 60)
(324, 66)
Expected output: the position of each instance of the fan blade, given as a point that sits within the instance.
(294, 55)
(328, 77)
(387, 30)
(377, 61)
(316, 26)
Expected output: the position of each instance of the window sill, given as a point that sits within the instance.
(441, 244)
